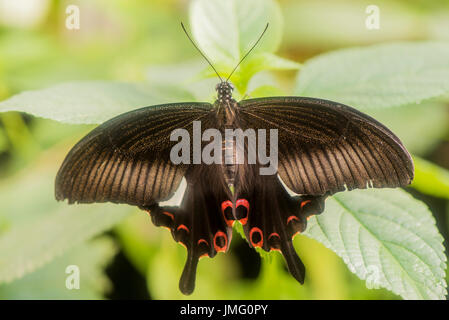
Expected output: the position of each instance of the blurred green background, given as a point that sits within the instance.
(142, 41)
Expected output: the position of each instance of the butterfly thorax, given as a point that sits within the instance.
(224, 91)
(225, 105)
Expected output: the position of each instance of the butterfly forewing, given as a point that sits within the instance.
(126, 159)
(326, 147)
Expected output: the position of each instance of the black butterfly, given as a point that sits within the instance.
(324, 147)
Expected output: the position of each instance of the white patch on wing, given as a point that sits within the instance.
(176, 199)
(369, 184)
(290, 192)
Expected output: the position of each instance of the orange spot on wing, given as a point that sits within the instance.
(273, 234)
(260, 242)
(292, 218)
(245, 203)
(242, 202)
(204, 255)
(182, 226)
(182, 244)
(243, 221)
(203, 241)
(169, 214)
(218, 248)
(224, 205)
(303, 203)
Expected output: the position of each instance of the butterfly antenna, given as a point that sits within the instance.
(254, 45)
(204, 56)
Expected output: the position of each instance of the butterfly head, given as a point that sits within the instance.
(224, 91)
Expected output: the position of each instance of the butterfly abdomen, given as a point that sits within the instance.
(227, 120)
(229, 166)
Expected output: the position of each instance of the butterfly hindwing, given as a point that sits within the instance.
(271, 217)
(198, 223)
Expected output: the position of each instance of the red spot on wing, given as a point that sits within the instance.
(303, 203)
(203, 241)
(204, 255)
(169, 214)
(242, 202)
(182, 227)
(224, 205)
(245, 203)
(216, 245)
(292, 218)
(274, 234)
(251, 233)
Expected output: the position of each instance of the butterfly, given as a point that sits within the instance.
(323, 147)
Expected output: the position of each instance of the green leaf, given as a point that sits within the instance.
(226, 30)
(323, 24)
(428, 118)
(27, 247)
(49, 282)
(266, 91)
(387, 238)
(378, 76)
(431, 178)
(165, 269)
(36, 229)
(270, 61)
(139, 240)
(91, 101)
(260, 62)
(3, 140)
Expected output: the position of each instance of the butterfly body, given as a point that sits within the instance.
(323, 147)
(226, 110)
